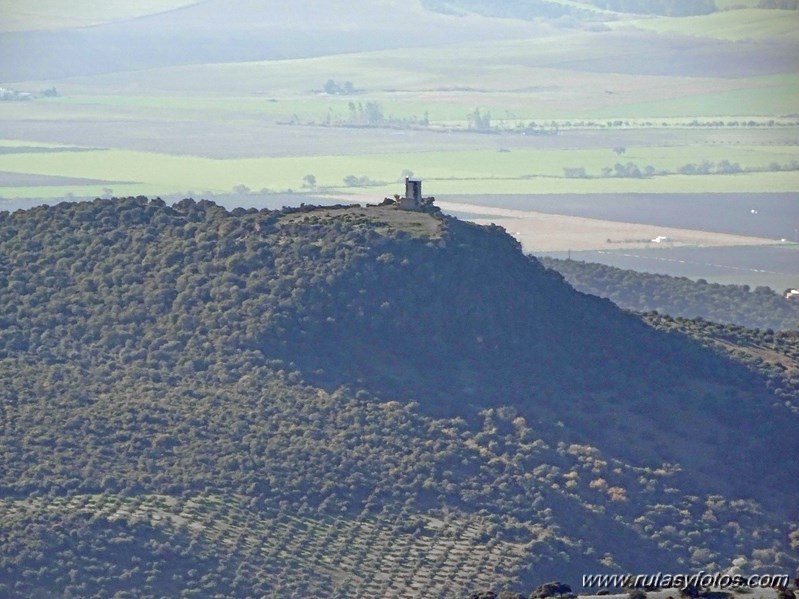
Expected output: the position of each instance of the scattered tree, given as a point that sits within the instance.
(309, 181)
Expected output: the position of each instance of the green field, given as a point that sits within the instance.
(736, 4)
(771, 95)
(768, 97)
(454, 172)
(734, 25)
(517, 79)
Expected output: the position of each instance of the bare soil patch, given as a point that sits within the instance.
(540, 232)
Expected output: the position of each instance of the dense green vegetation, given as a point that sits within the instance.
(761, 308)
(357, 402)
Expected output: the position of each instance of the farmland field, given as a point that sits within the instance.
(81, 13)
(717, 237)
(777, 214)
(731, 25)
(542, 232)
(467, 172)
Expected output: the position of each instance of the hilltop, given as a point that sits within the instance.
(357, 401)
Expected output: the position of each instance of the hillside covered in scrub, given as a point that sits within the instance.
(351, 401)
(761, 308)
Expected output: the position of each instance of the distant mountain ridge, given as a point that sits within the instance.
(355, 401)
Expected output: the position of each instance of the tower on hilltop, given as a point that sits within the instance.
(413, 195)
